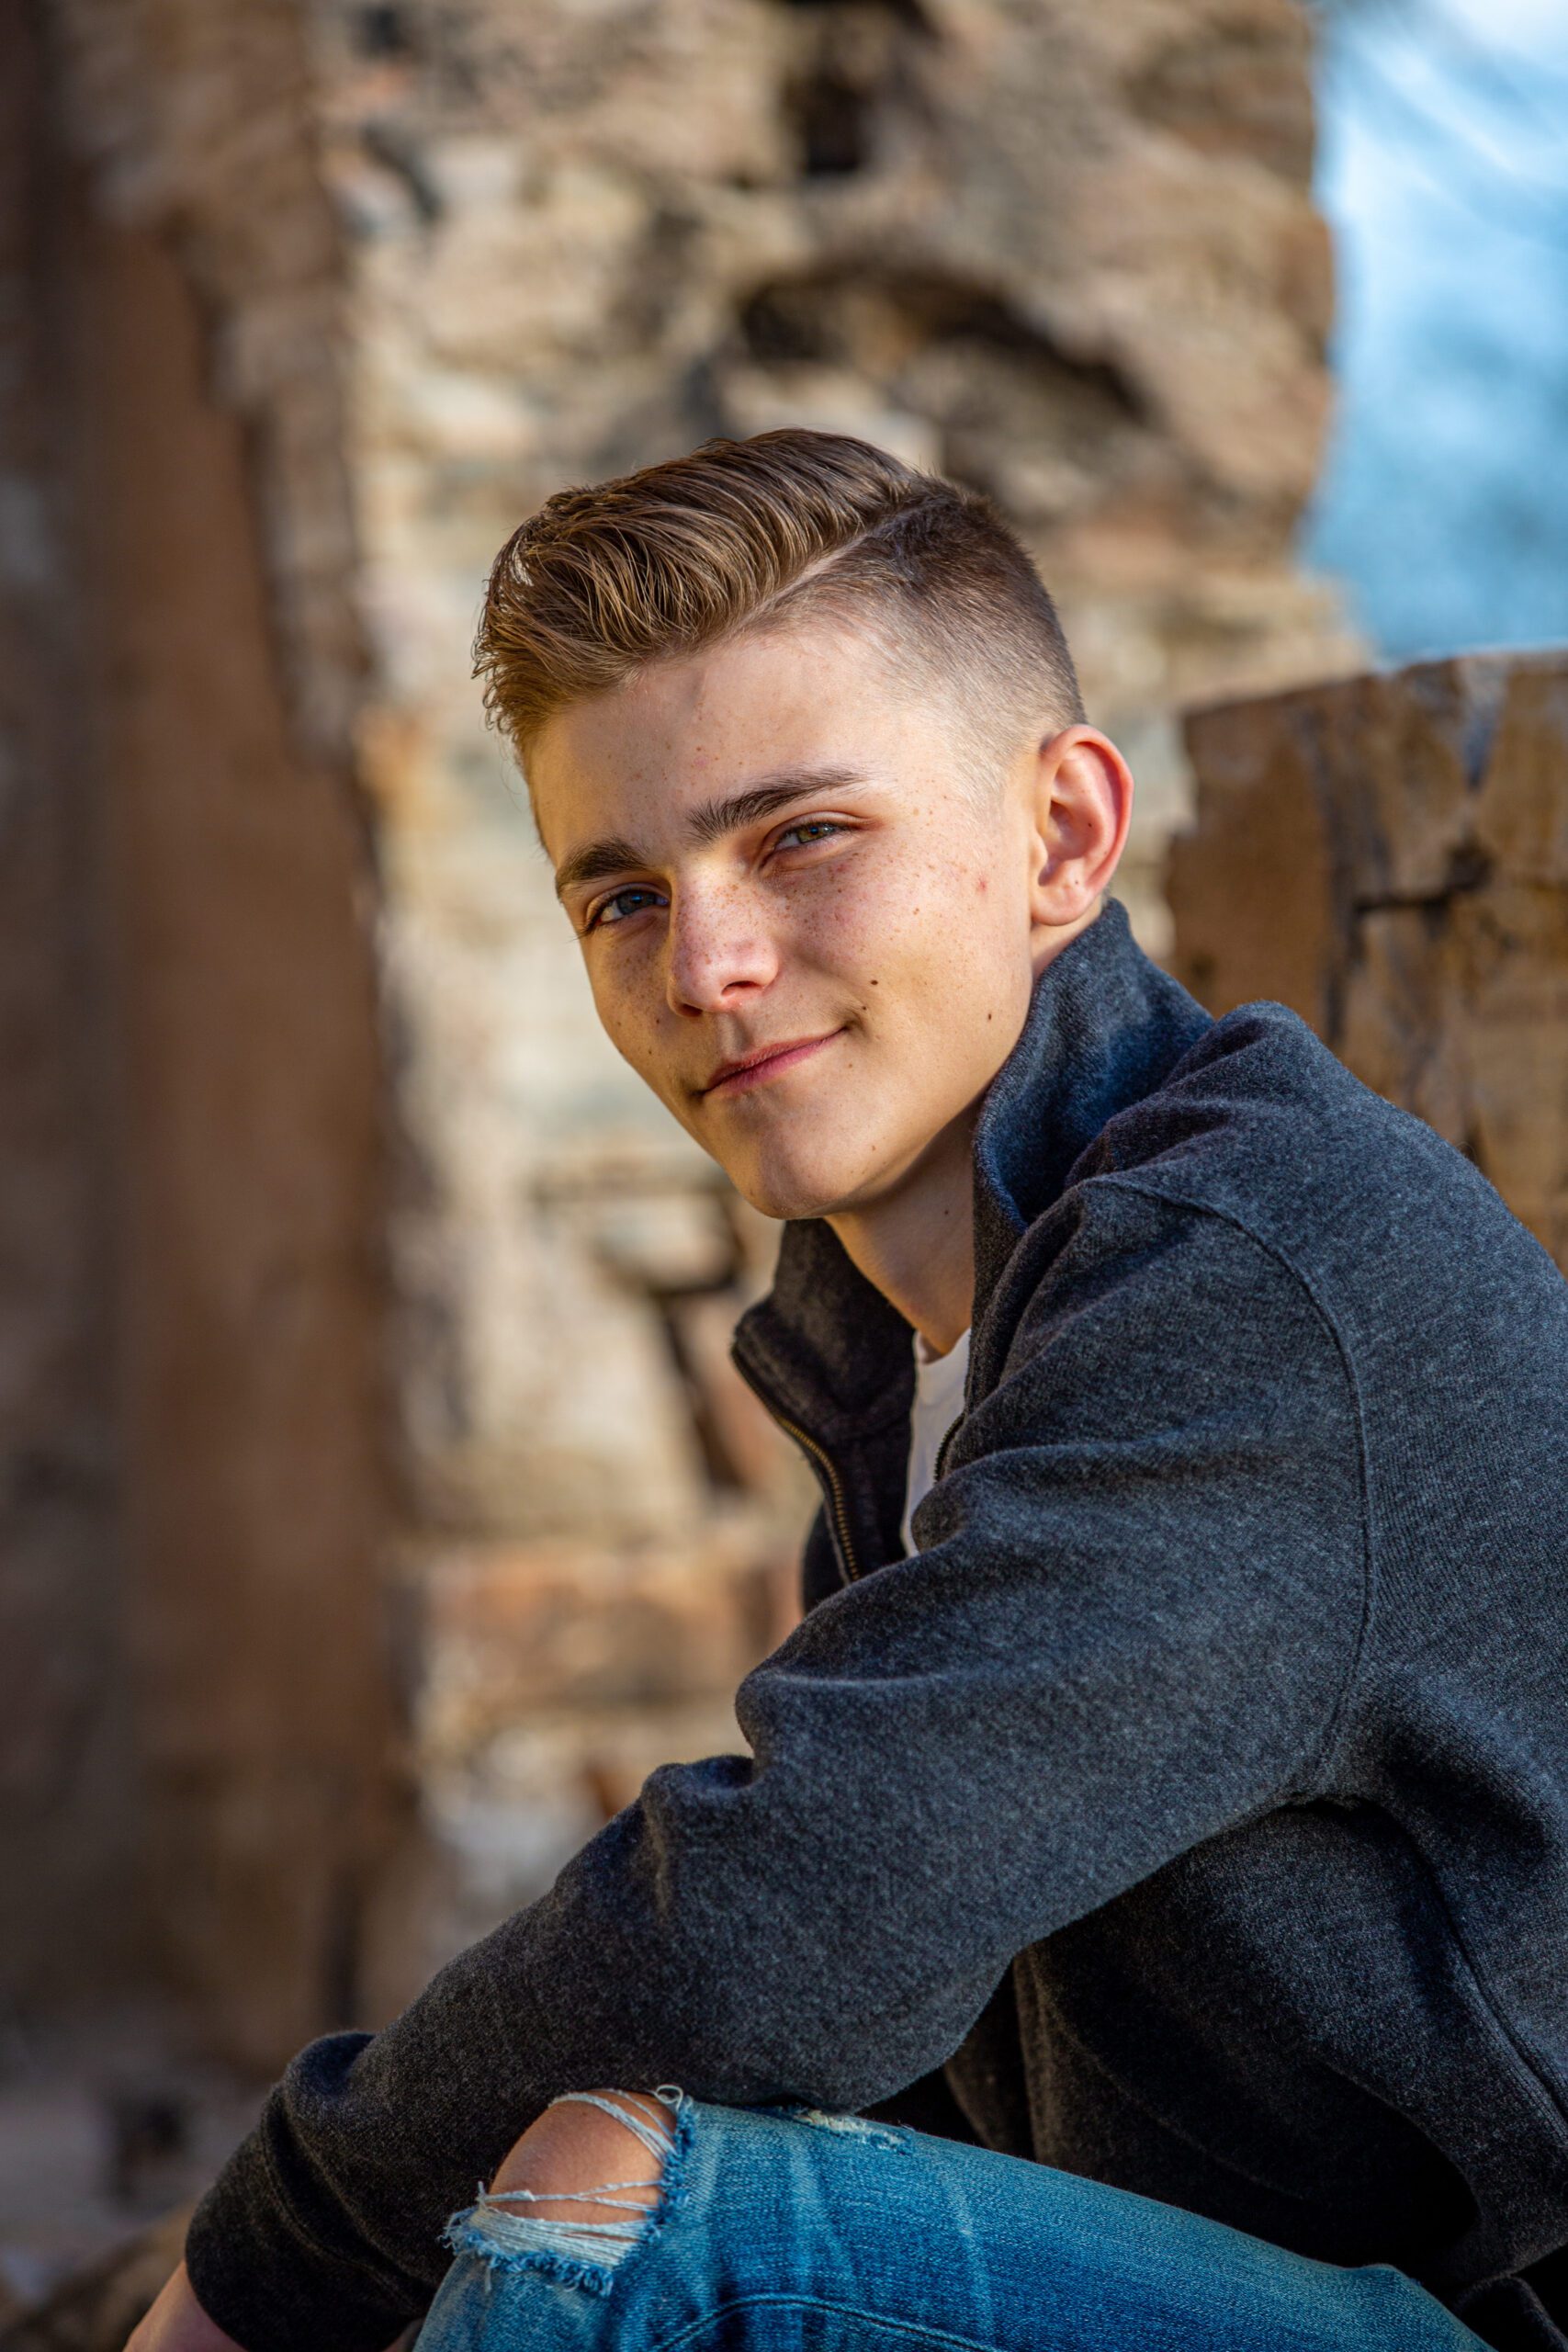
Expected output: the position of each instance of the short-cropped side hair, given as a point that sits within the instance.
(742, 536)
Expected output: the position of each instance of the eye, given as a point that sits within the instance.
(808, 830)
(621, 905)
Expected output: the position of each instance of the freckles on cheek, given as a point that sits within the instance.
(617, 1018)
(841, 928)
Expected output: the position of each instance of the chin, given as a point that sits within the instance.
(782, 1201)
(786, 1190)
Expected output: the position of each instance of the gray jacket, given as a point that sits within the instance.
(1196, 1797)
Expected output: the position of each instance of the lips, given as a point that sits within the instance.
(768, 1062)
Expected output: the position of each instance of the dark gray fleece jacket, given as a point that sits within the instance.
(1196, 1796)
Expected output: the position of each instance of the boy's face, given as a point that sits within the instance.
(803, 926)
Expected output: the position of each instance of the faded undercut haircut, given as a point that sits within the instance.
(743, 537)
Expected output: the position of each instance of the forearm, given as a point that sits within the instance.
(951, 1759)
(177, 2323)
(621, 1975)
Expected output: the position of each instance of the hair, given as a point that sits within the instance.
(745, 537)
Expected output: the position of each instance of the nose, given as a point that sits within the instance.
(720, 950)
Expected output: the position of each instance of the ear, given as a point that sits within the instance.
(1082, 806)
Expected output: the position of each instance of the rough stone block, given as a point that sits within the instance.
(1389, 855)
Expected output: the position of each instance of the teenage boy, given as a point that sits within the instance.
(1167, 1791)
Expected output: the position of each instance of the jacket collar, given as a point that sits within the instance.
(1105, 1027)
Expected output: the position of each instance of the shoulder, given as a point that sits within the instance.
(1125, 1291)
(1257, 1099)
(1189, 1229)
(1261, 1126)
(1261, 1183)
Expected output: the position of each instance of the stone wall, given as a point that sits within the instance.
(364, 1320)
(201, 1765)
(1069, 256)
(63, 1734)
(1389, 855)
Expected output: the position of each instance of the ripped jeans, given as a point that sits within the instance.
(788, 2229)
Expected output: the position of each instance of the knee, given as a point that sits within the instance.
(575, 2149)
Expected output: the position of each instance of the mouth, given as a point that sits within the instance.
(768, 1062)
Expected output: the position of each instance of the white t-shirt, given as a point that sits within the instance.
(938, 1400)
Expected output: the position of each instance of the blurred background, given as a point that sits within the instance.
(377, 1502)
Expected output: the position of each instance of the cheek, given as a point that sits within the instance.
(957, 974)
(862, 918)
(939, 925)
(626, 1000)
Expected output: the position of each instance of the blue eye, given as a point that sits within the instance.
(604, 913)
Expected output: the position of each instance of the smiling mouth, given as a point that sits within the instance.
(770, 1062)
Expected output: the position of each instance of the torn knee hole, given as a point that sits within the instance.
(575, 2195)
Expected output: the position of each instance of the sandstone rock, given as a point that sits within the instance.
(1263, 846)
(329, 1216)
(1071, 258)
(513, 1633)
(200, 1748)
(1522, 820)
(1388, 856)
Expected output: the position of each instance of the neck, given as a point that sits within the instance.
(916, 1244)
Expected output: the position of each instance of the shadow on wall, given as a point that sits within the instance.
(199, 1744)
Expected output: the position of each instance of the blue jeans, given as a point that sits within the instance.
(788, 2228)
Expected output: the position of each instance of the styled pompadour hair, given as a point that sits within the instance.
(745, 537)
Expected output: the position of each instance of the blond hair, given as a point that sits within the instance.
(741, 536)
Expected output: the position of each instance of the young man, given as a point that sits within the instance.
(1176, 1818)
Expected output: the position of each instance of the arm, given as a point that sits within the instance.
(176, 2323)
(1133, 1619)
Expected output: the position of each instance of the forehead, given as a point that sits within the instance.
(676, 733)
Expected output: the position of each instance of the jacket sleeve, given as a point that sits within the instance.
(1131, 1620)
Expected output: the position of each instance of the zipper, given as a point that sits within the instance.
(939, 1465)
(835, 1487)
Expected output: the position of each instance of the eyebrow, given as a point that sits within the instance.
(705, 824)
(592, 864)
